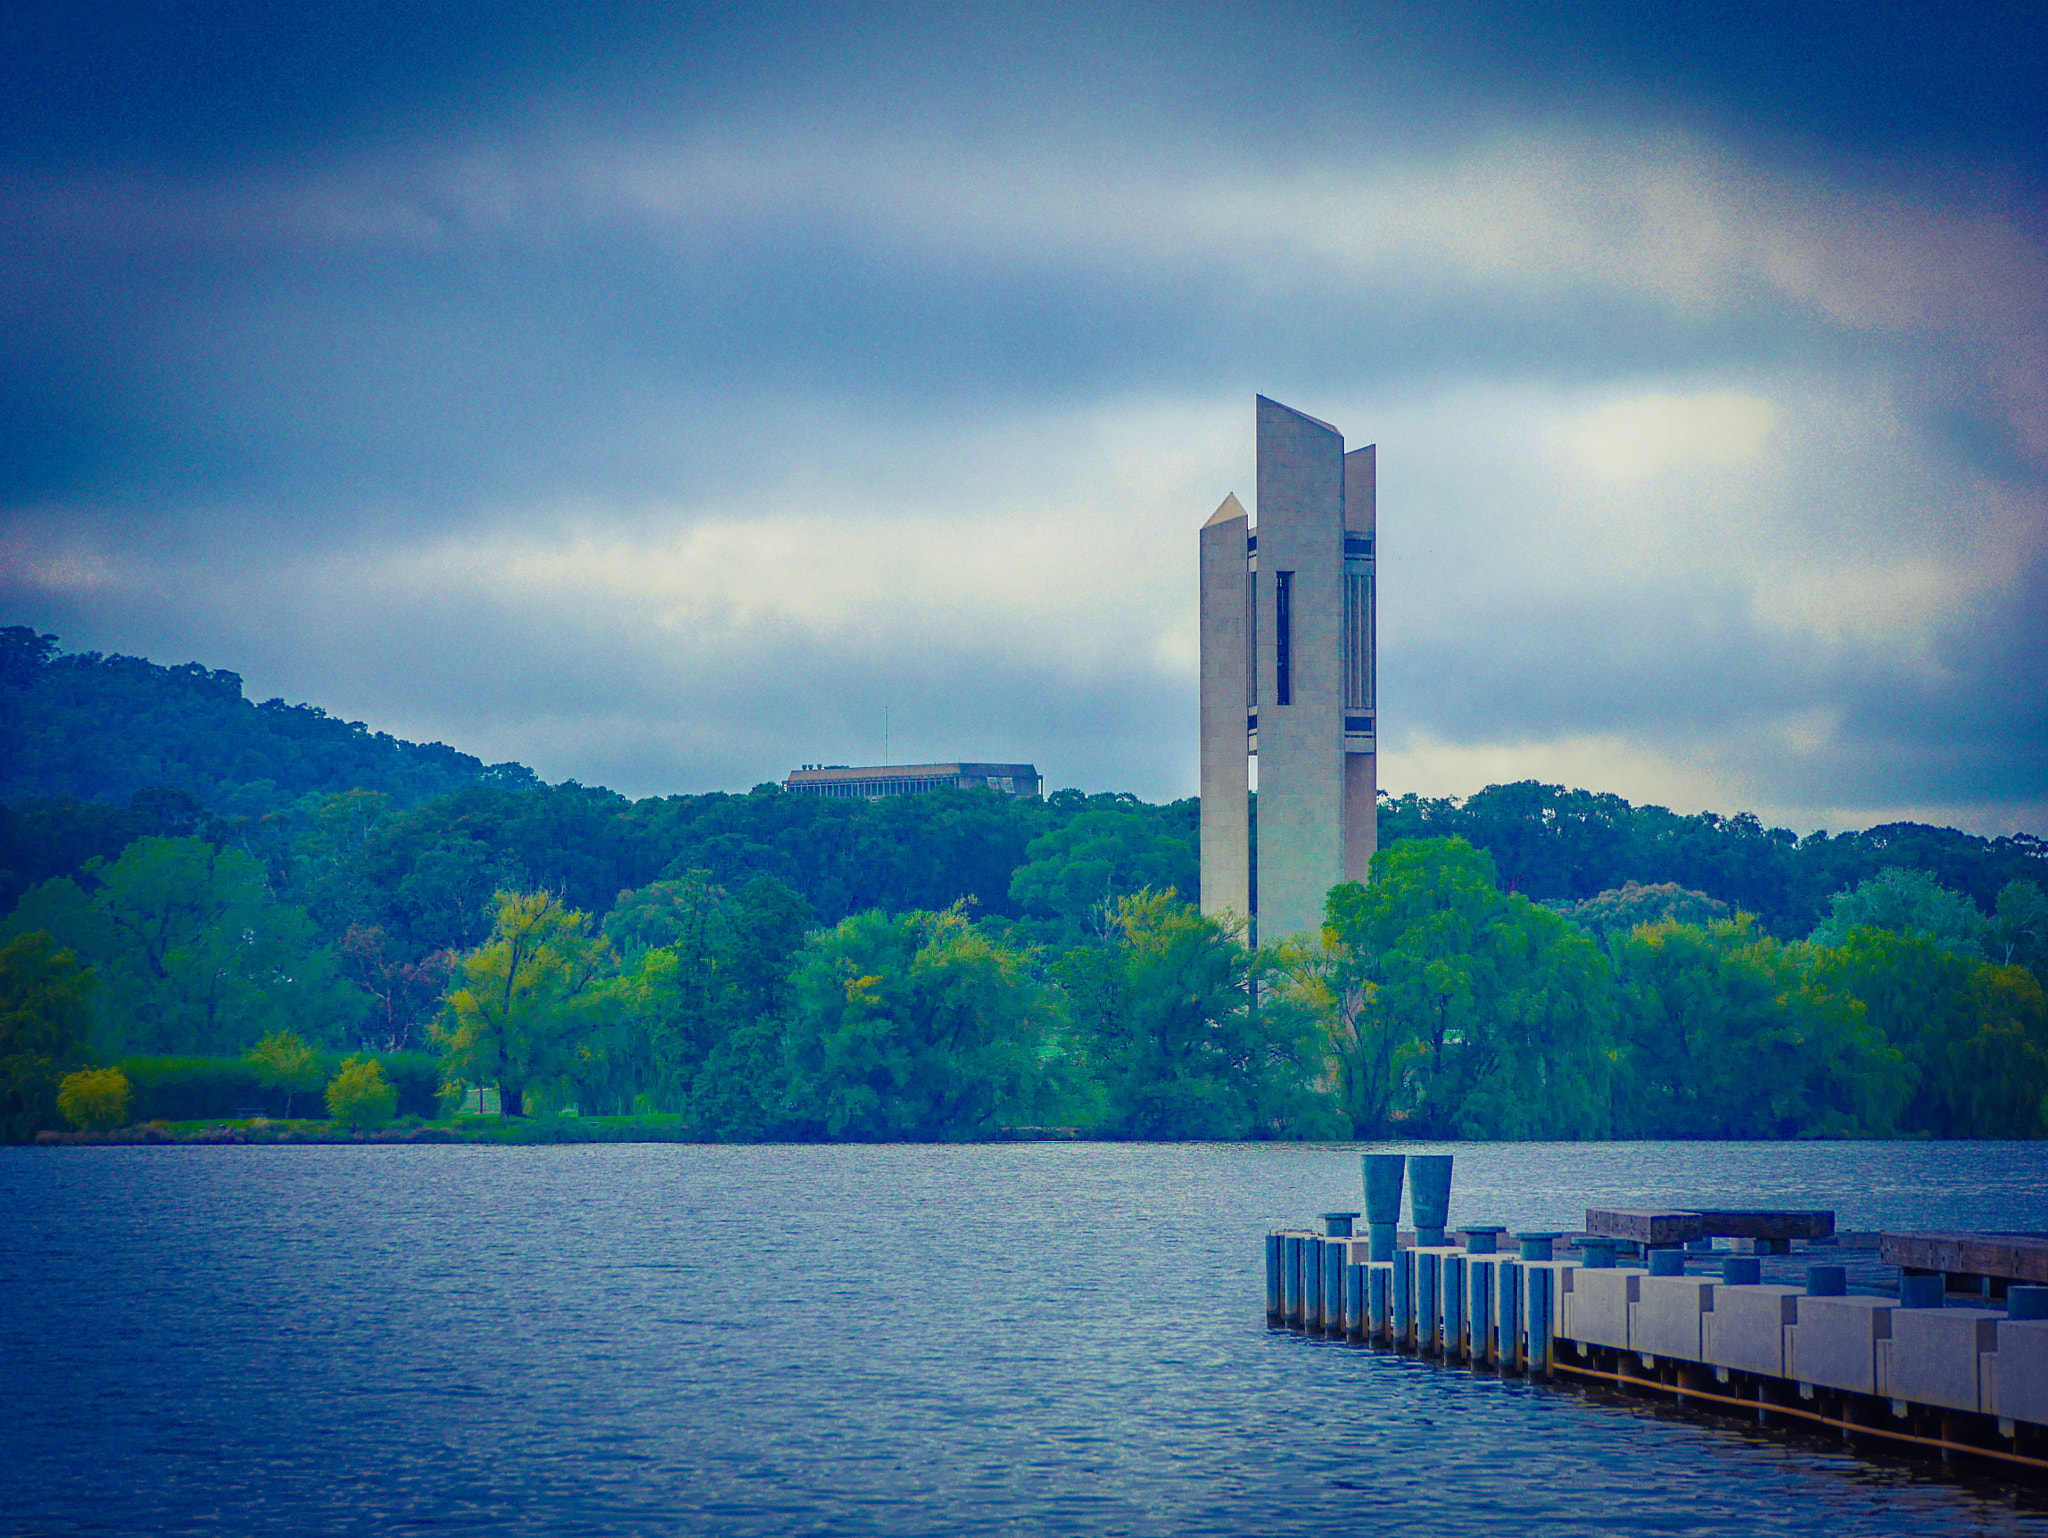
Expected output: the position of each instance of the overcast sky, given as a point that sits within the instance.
(654, 395)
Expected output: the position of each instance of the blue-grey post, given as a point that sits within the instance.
(1429, 1196)
(1481, 1238)
(1536, 1246)
(2026, 1302)
(1536, 1283)
(1596, 1254)
(1453, 1284)
(1480, 1281)
(1402, 1304)
(1508, 1313)
(1741, 1271)
(1312, 1282)
(1356, 1325)
(1826, 1281)
(1295, 1242)
(1923, 1291)
(1667, 1262)
(1334, 1257)
(1337, 1225)
(1273, 1262)
(1428, 1299)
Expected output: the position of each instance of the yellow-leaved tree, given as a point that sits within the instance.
(359, 1096)
(525, 1009)
(283, 1062)
(94, 1099)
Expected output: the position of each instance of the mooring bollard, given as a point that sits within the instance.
(1667, 1262)
(1429, 1196)
(1826, 1281)
(1924, 1291)
(1741, 1271)
(1596, 1254)
(2026, 1302)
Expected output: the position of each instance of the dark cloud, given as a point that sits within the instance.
(298, 302)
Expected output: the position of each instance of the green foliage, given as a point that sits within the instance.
(1460, 1011)
(45, 1020)
(358, 1096)
(214, 1088)
(1906, 902)
(1098, 857)
(1632, 906)
(284, 1063)
(1737, 1035)
(94, 1099)
(1974, 1034)
(103, 727)
(530, 1004)
(1191, 1034)
(192, 953)
(915, 1028)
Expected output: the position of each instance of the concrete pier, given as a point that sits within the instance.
(1791, 1327)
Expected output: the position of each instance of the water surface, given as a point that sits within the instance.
(1048, 1338)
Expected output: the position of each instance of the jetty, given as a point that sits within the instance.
(1934, 1343)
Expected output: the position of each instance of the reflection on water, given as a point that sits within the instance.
(900, 1340)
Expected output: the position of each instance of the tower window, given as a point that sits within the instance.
(1283, 637)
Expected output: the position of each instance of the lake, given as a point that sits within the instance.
(1021, 1338)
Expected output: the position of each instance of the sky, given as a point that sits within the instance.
(659, 395)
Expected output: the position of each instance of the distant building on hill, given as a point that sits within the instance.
(911, 779)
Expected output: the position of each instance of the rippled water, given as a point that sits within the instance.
(897, 1340)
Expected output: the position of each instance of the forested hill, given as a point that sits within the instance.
(414, 840)
(99, 729)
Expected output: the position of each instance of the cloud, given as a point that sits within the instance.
(663, 418)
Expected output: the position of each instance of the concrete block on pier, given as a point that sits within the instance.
(1665, 1319)
(1931, 1358)
(1833, 1341)
(2018, 1375)
(1746, 1327)
(1596, 1304)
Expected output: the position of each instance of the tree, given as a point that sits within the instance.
(358, 1095)
(192, 952)
(915, 1028)
(285, 1063)
(1098, 857)
(1732, 1034)
(1460, 1010)
(45, 1021)
(1631, 906)
(94, 1099)
(1906, 902)
(526, 1001)
(1973, 1034)
(1191, 1034)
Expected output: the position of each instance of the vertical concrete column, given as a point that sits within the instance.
(1357, 1324)
(1456, 1340)
(1300, 639)
(1508, 1315)
(1429, 1196)
(1295, 1243)
(1402, 1305)
(1741, 1271)
(1479, 1279)
(1361, 591)
(1667, 1262)
(1312, 1282)
(1922, 1291)
(1383, 1174)
(2026, 1302)
(1539, 1298)
(1428, 1300)
(1337, 1225)
(1596, 1254)
(1274, 1246)
(1226, 769)
(1335, 1321)
(1821, 1281)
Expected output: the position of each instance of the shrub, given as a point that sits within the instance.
(94, 1099)
(283, 1062)
(208, 1088)
(358, 1095)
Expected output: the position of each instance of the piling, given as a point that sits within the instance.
(1429, 1196)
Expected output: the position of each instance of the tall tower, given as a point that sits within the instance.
(1287, 675)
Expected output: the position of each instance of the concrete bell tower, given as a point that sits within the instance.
(1288, 660)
